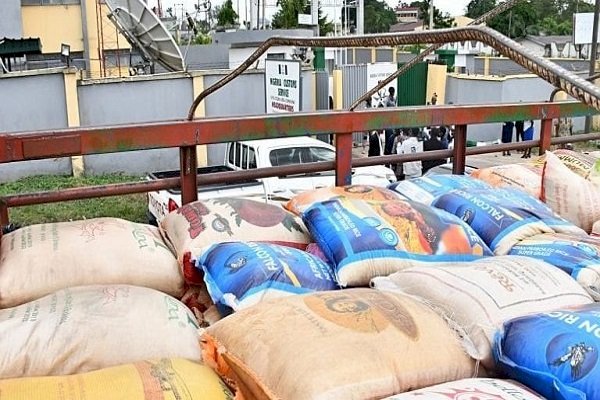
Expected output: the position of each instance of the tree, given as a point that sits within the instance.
(440, 20)
(549, 17)
(476, 8)
(287, 16)
(379, 17)
(226, 15)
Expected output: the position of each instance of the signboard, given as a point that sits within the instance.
(375, 74)
(282, 86)
(583, 28)
(304, 19)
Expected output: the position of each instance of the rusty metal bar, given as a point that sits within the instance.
(3, 214)
(459, 160)
(343, 159)
(189, 177)
(545, 135)
(496, 148)
(552, 73)
(50, 144)
(576, 138)
(402, 158)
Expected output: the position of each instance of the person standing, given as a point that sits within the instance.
(433, 143)
(391, 101)
(519, 129)
(434, 99)
(507, 134)
(390, 133)
(375, 145)
(411, 145)
(528, 135)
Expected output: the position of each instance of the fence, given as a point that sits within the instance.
(187, 135)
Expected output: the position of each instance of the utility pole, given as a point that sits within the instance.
(430, 14)
(593, 53)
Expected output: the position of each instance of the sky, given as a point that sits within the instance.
(454, 7)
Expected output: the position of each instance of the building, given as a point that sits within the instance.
(406, 14)
(550, 46)
(243, 43)
(83, 25)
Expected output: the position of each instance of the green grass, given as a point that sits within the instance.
(130, 207)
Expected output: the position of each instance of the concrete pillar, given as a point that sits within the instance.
(338, 92)
(373, 55)
(72, 106)
(486, 66)
(198, 87)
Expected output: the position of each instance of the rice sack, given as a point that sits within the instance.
(554, 353)
(425, 189)
(367, 239)
(239, 275)
(498, 225)
(578, 256)
(299, 203)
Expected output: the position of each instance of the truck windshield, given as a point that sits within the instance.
(300, 155)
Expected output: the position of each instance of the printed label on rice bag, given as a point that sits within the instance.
(244, 270)
(516, 199)
(346, 227)
(472, 389)
(366, 311)
(558, 349)
(571, 254)
(426, 189)
(486, 214)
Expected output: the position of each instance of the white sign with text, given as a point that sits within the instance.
(282, 83)
(375, 74)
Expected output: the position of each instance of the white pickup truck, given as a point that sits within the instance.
(262, 154)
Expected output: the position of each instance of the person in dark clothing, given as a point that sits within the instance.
(519, 129)
(433, 143)
(444, 136)
(507, 134)
(374, 144)
(528, 135)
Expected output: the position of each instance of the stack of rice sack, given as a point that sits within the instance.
(96, 295)
(527, 176)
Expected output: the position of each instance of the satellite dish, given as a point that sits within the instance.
(143, 30)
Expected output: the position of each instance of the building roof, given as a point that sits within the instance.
(252, 37)
(406, 26)
(19, 47)
(546, 40)
(398, 8)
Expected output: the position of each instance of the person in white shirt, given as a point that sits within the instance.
(411, 145)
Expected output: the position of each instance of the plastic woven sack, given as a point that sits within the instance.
(578, 256)
(37, 260)
(499, 225)
(200, 224)
(299, 203)
(427, 188)
(162, 379)
(472, 389)
(349, 344)
(367, 239)
(481, 295)
(555, 353)
(239, 275)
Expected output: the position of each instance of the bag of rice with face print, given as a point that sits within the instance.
(301, 202)
(367, 239)
(349, 344)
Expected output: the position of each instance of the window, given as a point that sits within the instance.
(235, 151)
(251, 158)
(244, 164)
(300, 155)
(48, 2)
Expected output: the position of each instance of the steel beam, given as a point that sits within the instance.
(460, 145)
(97, 140)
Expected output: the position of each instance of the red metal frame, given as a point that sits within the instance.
(187, 134)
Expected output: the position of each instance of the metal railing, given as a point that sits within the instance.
(16, 147)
